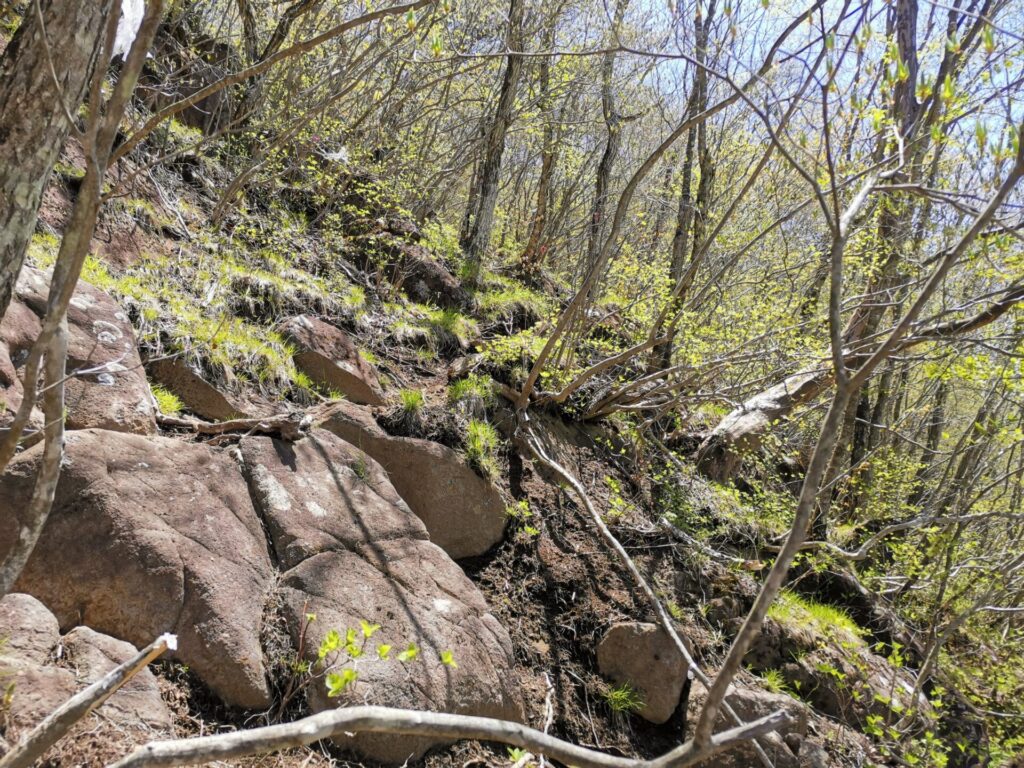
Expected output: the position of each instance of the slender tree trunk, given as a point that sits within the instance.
(613, 125)
(34, 111)
(484, 196)
(533, 254)
(683, 245)
(895, 230)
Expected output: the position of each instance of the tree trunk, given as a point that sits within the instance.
(533, 254)
(484, 198)
(33, 120)
(613, 125)
(683, 245)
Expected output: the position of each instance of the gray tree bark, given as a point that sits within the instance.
(42, 82)
(484, 197)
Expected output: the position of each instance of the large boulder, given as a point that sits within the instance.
(108, 388)
(150, 535)
(329, 357)
(463, 513)
(354, 552)
(644, 657)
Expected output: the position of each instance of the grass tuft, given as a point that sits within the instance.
(827, 620)
(168, 403)
(623, 699)
(481, 444)
(412, 401)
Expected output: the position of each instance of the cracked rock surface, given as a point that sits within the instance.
(150, 534)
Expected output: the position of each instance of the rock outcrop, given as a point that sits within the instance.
(108, 388)
(150, 534)
(463, 513)
(153, 535)
(329, 357)
(41, 670)
(354, 552)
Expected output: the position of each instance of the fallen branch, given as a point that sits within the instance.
(286, 426)
(442, 726)
(60, 721)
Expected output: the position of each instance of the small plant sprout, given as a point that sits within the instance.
(448, 659)
(623, 699)
(409, 654)
(774, 681)
(362, 470)
(521, 512)
(336, 659)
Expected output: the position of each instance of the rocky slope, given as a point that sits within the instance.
(335, 503)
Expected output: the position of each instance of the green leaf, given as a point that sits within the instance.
(337, 682)
(383, 650)
(448, 659)
(330, 643)
(368, 628)
(410, 653)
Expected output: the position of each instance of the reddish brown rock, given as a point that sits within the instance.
(91, 655)
(149, 535)
(39, 671)
(749, 704)
(464, 514)
(109, 388)
(29, 631)
(356, 552)
(329, 357)
(321, 494)
(198, 395)
(644, 657)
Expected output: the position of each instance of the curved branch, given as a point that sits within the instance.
(432, 724)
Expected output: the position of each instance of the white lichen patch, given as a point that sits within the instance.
(277, 498)
(316, 510)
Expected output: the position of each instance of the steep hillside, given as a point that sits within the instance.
(438, 386)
